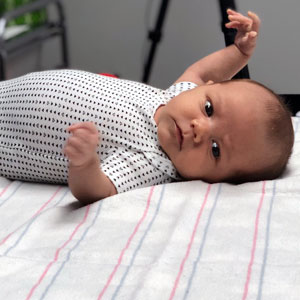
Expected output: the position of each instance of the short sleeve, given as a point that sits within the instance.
(130, 170)
(178, 88)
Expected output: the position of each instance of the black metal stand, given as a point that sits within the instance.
(229, 34)
(155, 37)
(156, 34)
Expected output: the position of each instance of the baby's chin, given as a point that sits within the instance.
(165, 152)
(188, 176)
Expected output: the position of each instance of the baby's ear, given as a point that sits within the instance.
(209, 82)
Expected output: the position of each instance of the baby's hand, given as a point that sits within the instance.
(247, 30)
(81, 147)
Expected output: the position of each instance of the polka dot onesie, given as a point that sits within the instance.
(36, 109)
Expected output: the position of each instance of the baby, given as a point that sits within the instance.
(123, 135)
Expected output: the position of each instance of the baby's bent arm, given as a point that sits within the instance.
(86, 180)
(224, 64)
(89, 184)
(218, 66)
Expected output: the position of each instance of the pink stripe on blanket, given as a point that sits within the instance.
(127, 245)
(246, 287)
(5, 189)
(57, 253)
(33, 216)
(190, 244)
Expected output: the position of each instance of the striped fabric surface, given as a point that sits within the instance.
(188, 240)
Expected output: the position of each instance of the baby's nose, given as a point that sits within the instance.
(200, 130)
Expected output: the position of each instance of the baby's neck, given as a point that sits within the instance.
(158, 113)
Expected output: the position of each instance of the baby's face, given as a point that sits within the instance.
(213, 131)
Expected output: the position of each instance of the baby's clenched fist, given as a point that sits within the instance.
(81, 146)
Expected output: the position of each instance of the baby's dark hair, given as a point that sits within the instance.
(279, 135)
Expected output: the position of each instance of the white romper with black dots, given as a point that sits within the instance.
(36, 109)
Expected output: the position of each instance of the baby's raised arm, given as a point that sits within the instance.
(86, 180)
(224, 64)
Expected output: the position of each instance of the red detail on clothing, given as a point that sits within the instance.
(109, 75)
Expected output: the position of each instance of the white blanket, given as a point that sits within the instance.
(188, 240)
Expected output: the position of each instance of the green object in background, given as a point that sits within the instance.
(33, 19)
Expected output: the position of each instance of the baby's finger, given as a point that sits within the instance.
(85, 138)
(239, 17)
(249, 38)
(233, 24)
(75, 143)
(236, 25)
(231, 12)
(252, 34)
(73, 127)
(71, 151)
(245, 38)
(77, 126)
(256, 20)
(83, 125)
(247, 22)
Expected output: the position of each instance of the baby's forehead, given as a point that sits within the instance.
(245, 86)
(243, 102)
(246, 93)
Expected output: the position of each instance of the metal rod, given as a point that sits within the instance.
(155, 36)
(229, 34)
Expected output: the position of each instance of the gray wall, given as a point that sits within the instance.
(110, 36)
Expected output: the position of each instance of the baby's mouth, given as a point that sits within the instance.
(179, 135)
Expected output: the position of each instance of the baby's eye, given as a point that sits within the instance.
(215, 150)
(209, 108)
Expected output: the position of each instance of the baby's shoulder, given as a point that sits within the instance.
(179, 87)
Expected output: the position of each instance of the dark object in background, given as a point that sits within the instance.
(155, 36)
(38, 33)
(229, 34)
(292, 101)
